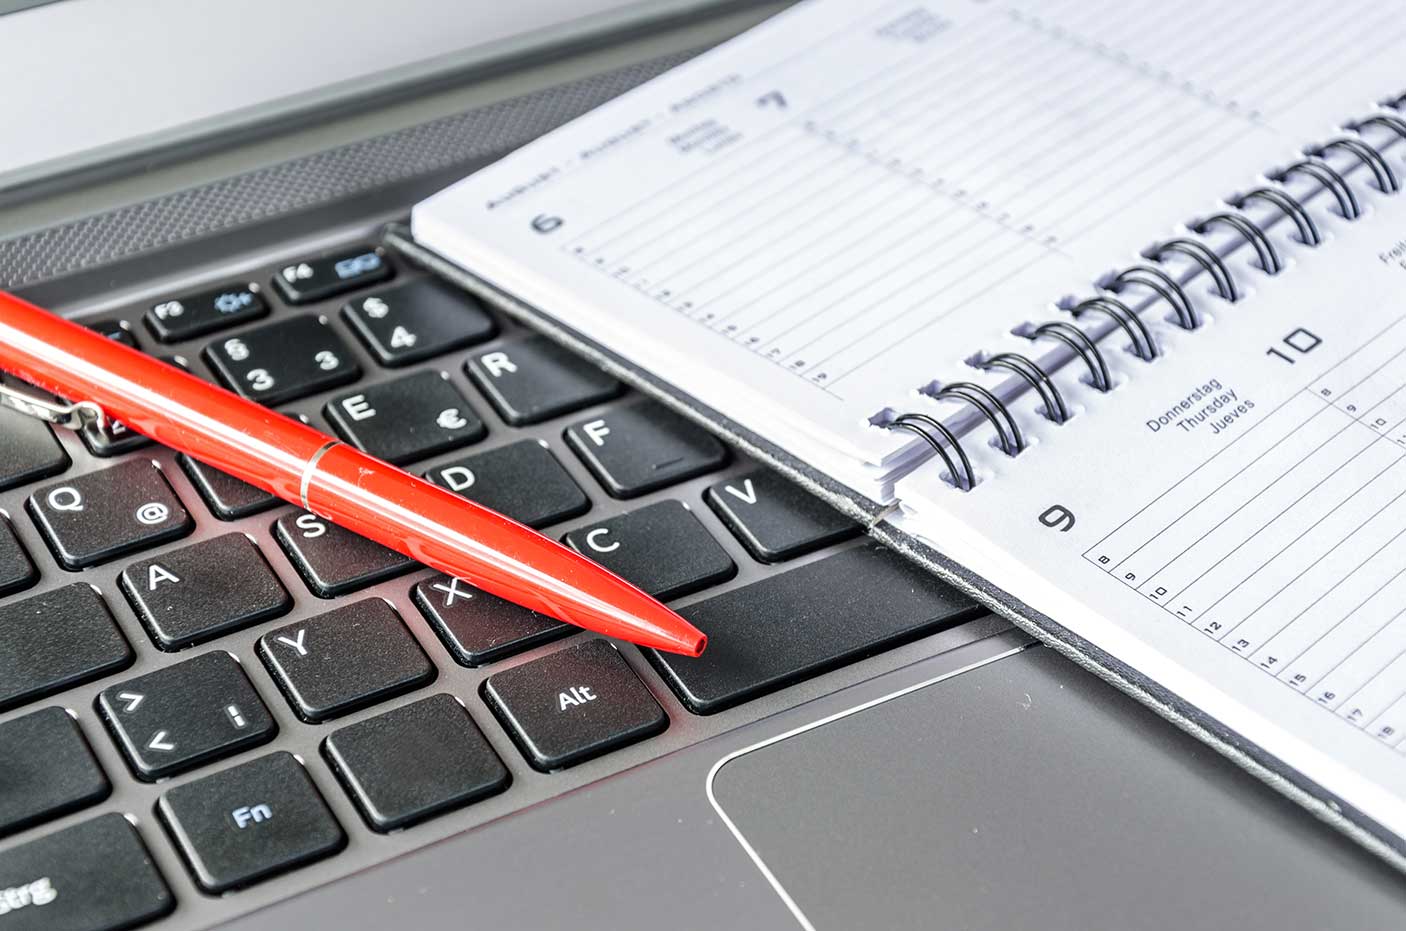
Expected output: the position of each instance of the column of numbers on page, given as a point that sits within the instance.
(1288, 547)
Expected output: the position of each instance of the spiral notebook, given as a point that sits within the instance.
(1098, 308)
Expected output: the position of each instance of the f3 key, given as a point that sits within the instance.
(200, 314)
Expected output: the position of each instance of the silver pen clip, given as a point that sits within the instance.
(73, 416)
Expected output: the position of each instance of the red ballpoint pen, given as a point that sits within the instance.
(325, 476)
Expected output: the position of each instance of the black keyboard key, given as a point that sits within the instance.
(179, 717)
(46, 769)
(56, 640)
(103, 515)
(453, 765)
(522, 480)
(416, 320)
(208, 312)
(644, 447)
(205, 590)
(249, 822)
(406, 419)
(227, 497)
(28, 450)
(775, 519)
(116, 330)
(478, 628)
(662, 548)
(345, 659)
(283, 361)
(800, 623)
(93, 876)
(574, 704)
(316, 279)
(113, 438)
(334, 561)
(535, 379)
(16, 571)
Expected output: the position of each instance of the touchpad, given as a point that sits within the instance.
(1028, 794)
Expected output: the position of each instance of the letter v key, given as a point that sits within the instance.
(750, 496)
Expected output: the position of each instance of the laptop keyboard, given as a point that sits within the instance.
(204, 690)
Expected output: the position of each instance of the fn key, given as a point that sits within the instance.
(249, 822)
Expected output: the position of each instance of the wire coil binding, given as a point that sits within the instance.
(1149, 275)
(1036, 377)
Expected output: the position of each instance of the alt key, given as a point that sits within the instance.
(576, 703)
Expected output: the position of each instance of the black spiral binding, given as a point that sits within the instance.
(1144, 346)
(1155, 279)
(1329, 177)
(1165, 285)
(1007, 430)
(1210, 263)
(1035, 377)
(924, 427)
(1369, 156)
(1308, 230)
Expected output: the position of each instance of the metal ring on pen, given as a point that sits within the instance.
(919, 425)
(1394, 123)
(1165, 285)
(1202, 255)
(1264, 249)
(1308, 230)
(1334, 182)
(1369, 156)
(1035, 377)
(990, 406)
(1143, 345)
(1078, 341)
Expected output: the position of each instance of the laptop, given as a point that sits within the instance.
(217, 710)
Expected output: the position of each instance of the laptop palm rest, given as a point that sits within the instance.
(1027, 794)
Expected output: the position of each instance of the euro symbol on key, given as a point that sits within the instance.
(1058, 517)
(451, 420)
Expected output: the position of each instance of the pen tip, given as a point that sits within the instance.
(683, 639)
(697, 644)
(657, 626)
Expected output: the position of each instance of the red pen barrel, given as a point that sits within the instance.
(500, 556)
(356, 491)
(157, 400)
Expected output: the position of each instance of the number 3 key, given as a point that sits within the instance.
(283, 361)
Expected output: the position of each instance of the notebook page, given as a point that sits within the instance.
(815, 220)
(1232, 519)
